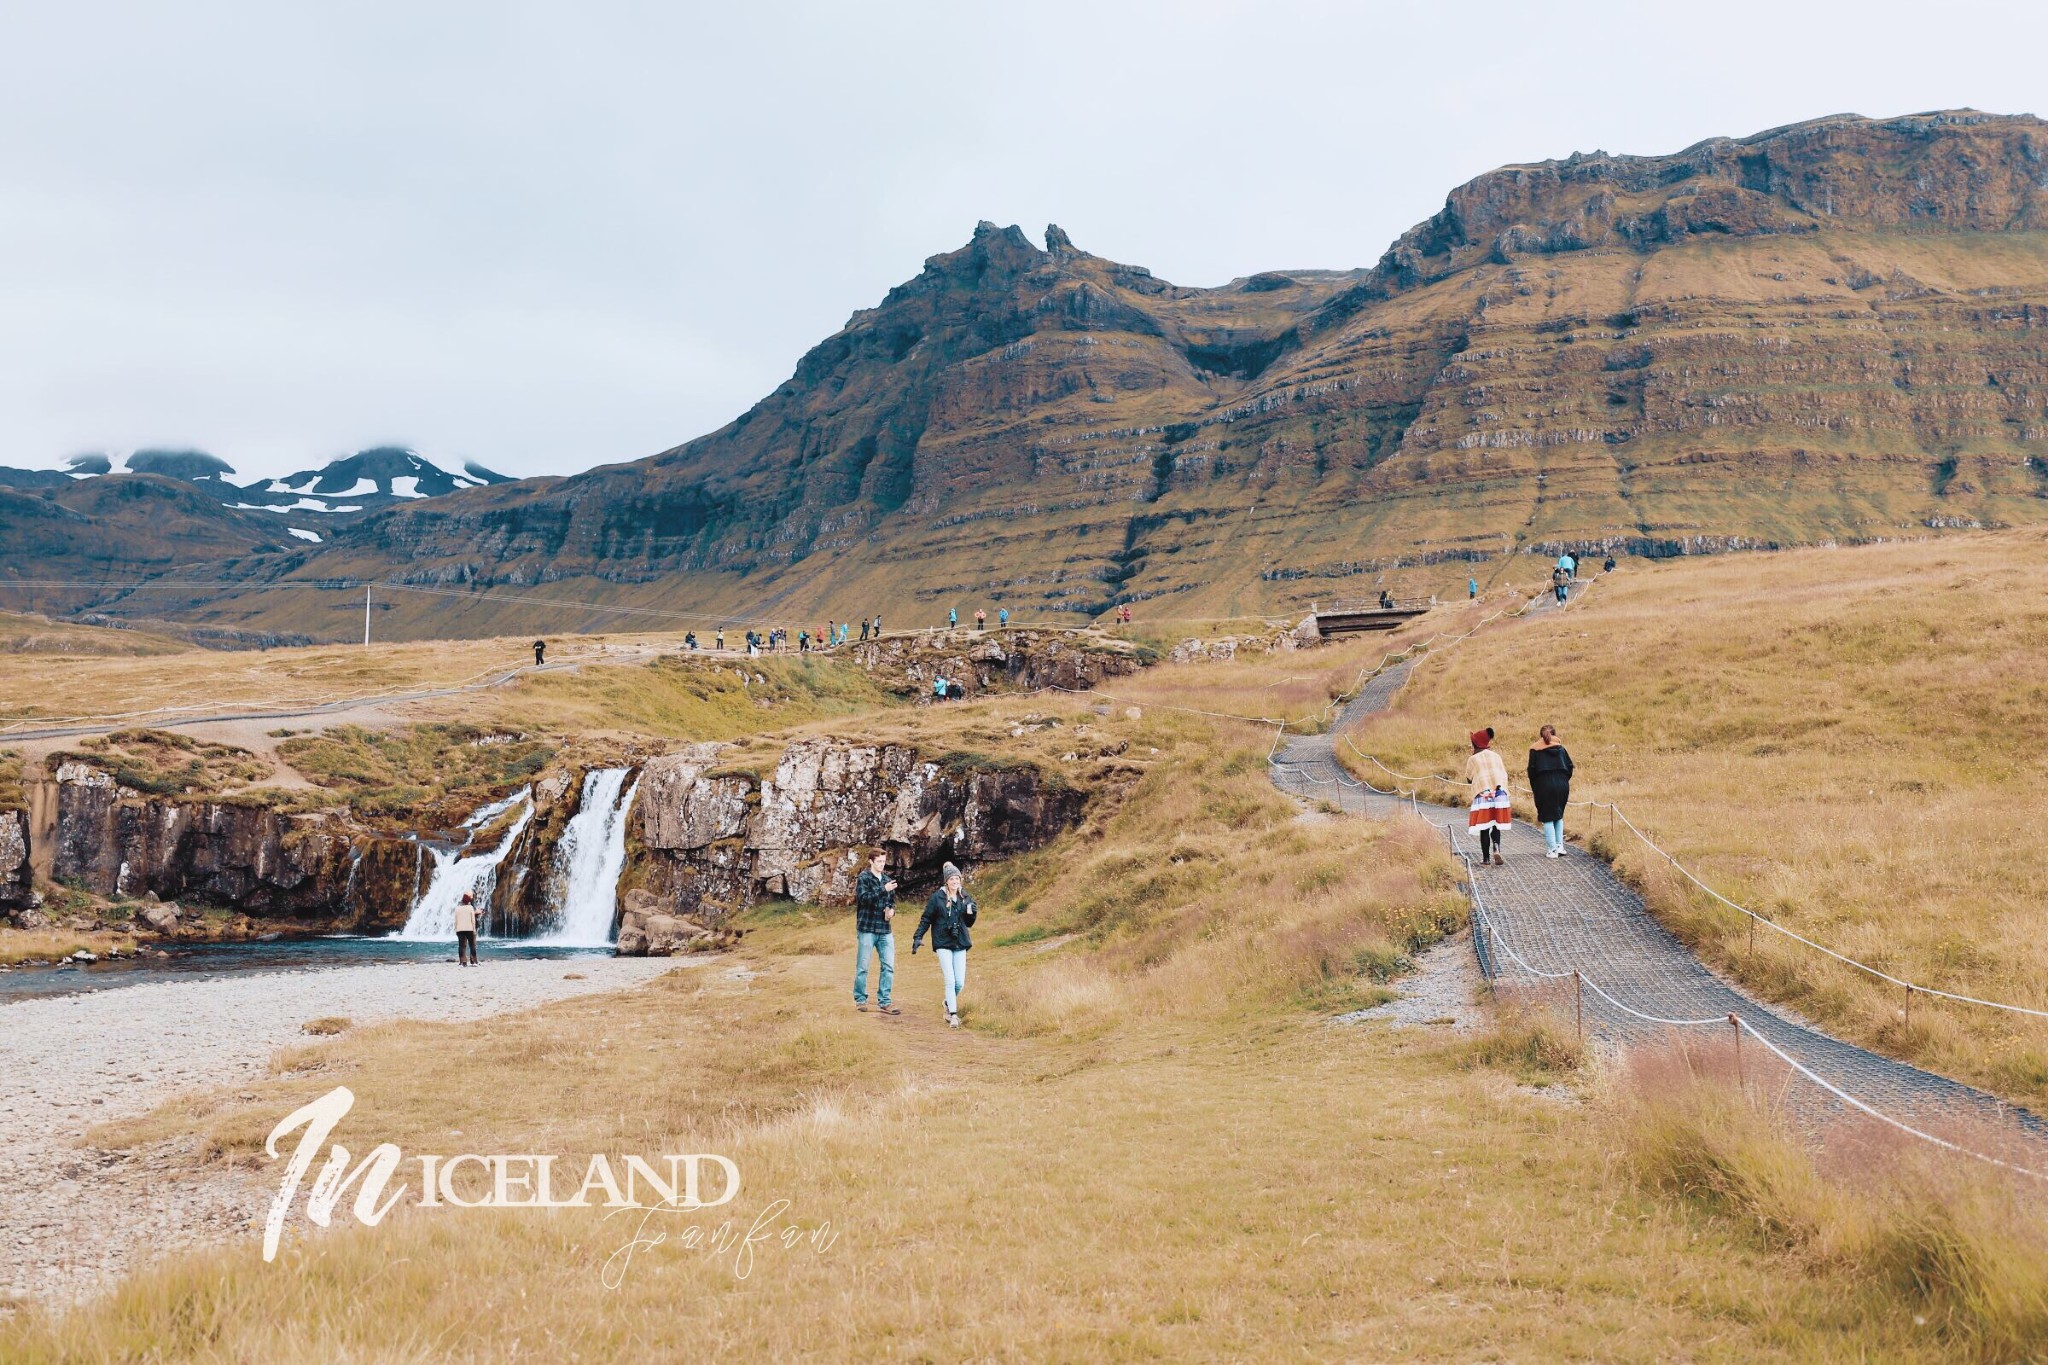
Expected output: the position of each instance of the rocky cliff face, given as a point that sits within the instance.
(316, 867)
(1832, 331)
(17, 878)
(715, 839)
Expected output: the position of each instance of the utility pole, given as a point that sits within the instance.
(366, 616)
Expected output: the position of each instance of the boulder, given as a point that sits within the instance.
(161, 917)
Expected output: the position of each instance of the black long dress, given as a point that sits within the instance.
(1550, 781)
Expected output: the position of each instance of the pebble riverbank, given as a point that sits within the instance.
(72, 1218)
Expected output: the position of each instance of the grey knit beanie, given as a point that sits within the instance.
(949, 873)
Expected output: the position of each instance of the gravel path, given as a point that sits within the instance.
(1556, 916)
(73, 1218)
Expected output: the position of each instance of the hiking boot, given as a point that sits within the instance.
(861, 1005)
(890, 1009)
(1499, 861)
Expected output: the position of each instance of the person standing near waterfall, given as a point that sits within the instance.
(465, 931)
(949, 914)
(874, 910)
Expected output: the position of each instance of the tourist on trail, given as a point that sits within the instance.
(1568, 564)
(980, 620)
(1610, 563)
(952, 619)
(803, 640)
(874, 911)
(1560, 582)
(1491, 812)
(465, 931)
(939, 688)
(1550, 782)
(949, 914)
(863, 630)
(540, 652)
(721, 639)
(690, 640)
(1386, 600)
(1003, 619)
(878, 625)
(1472, 589)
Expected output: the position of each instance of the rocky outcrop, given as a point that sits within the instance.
(17, 879)
(715, 839)
(646, 929)
(247, 857)
(521, 896)
(978, 661)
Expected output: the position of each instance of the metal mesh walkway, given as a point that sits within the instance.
(1538, 920)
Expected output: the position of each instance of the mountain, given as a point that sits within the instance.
(366, 481)
(1832, 331)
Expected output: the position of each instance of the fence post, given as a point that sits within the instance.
(1578, 1008)
(1909, 1007)
(1752, 934)
(1736, 1024)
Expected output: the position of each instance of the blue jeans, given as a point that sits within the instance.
(884, 946)
(953, 969)
(1553, 835)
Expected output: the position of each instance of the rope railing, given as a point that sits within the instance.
(1755, 917)
(1491, 945)
(1491, 931)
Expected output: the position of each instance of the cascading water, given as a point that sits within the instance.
(455, 871)
(588, 861)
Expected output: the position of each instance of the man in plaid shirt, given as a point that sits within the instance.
(874, 912)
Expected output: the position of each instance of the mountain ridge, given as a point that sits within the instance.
(1832, 330)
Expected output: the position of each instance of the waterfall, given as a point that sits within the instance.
(457, 871)
(588, 861)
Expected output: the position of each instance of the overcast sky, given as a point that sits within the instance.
(547, 236)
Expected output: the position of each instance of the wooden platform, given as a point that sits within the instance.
(1351, 618)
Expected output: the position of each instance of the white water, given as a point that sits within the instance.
(457, 871)
(588, 861)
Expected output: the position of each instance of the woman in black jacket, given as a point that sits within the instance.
(1550, 781)
(949, 914)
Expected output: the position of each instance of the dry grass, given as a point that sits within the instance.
(32, 633)
(47, 688)
(1163, 1188)
(1851, 741)
(1148, 1142)
(48, 945)
(1964, 1250)
(163, 763)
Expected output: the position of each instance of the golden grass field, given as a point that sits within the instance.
(1149, 1142)
(1854, 742)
